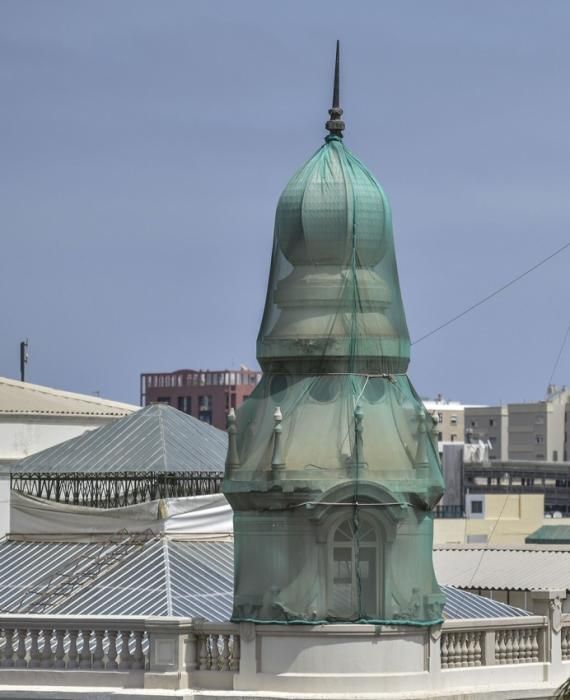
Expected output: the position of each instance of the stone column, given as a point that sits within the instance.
(172, 652)
(549, 604)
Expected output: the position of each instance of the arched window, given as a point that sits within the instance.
(355, 581)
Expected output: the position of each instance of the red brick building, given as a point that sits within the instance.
(205, 394)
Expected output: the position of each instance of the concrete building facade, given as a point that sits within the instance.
(523, 431)
(489, 424)
(449, 416)
(205, 394)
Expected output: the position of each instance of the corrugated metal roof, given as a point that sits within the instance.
(461, 605)
(23, 398)
(157, 438)
(166, 577)
(550, 534)
(524, 568)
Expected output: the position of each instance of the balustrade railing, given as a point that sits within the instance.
(218, 649)
(517, 646)
(565, 641)
(208, 655)
(47, 643)
(97, 643)
(466, 643)
(461, 649)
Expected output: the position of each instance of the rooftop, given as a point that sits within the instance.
(161, 576)
(154, 439)
(23, 398)
(521, 567)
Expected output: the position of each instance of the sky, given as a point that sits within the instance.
(144, 146)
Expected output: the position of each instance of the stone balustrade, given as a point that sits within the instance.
(171, 653)
(469, 643)
(45, 642)
(565, 638)
(218, 649)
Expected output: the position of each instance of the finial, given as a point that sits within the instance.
(335, 124)
(232, 458)
(277, 461)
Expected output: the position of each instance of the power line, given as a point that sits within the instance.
(493, 294)
(559, 355)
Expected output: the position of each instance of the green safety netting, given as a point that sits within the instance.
(332, 468)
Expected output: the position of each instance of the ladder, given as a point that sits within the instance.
(80, 572)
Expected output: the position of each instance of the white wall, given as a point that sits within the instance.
(4, 504)
(21, 436)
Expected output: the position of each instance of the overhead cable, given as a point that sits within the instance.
(493, 294)
(559, 355)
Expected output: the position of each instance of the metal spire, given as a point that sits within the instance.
(335, 124)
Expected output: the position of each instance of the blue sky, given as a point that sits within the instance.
(144, 146)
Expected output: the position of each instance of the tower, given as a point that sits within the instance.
(332, 468)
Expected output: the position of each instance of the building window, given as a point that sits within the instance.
(555, 455)
(477, 507)
(164, 399)
(440, 436)
(355, 565)
(453, 437)
(491, 422)
(539, 439)
(185, 404)
(473, 423)
(205, 409)
(477, 539)
(440, 417)
(453, 420)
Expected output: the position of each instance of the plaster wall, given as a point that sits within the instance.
(21, 436)
(506, 519)
(4, 504)
(489, 423)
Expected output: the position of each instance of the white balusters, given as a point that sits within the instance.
(8, 660)
(72, 655)
(46, 660)
(59, 649)
(214, 653)
(517, 646)
(138, 656)
(21, 650)
(204, 656)
(53, 643)
(125, 659)
(235, 653)
(85, 654)
(460, 649)
(565, 642)
(218, 652)
(35, 660)
(98, 654)
(112, 664)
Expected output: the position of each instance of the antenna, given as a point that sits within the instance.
(23, 359)
(335, 125)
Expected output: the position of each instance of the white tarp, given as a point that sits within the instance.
(194, 515)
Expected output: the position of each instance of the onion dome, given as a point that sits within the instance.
(334, 301)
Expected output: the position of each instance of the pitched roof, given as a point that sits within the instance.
(522, 567)
(550, 534)
(23, 398)
(167, 577)
(157, 438)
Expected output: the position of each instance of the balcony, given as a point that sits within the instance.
(47, 653)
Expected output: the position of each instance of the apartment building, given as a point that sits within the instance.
(489, 424)
(205, 394)
(524, 431)
(450, 416)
